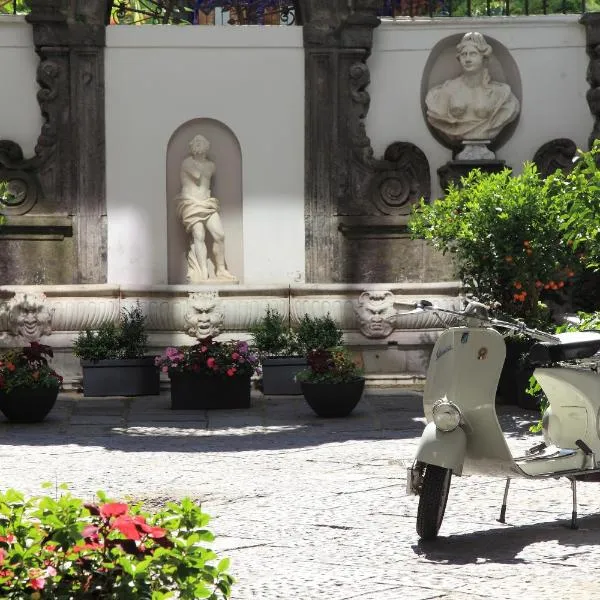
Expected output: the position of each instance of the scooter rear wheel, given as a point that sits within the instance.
(432, 502)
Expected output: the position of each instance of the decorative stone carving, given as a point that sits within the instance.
(471, 106)
(591, 21)
(376, 314)
(199, 213)
(554, 155)
(29, 316)
(204, 316)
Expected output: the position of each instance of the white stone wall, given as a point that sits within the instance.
(549, 52)
(20, 118)
(252, 80)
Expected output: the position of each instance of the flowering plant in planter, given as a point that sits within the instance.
(28, 368)
(62, 548)
(331, 365)
(232, 359)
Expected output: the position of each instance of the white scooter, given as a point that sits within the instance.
(463, 435)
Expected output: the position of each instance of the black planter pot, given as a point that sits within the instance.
(332, 400)
(28, 405)
(121, 377)
(278, 373)
(514, 378)
(192, 391)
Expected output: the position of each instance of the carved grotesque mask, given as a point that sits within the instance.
(376, 314)
(29, 317)
(203, 317)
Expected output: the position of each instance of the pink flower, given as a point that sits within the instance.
(231, 372)
(235, 356)
(210, 363)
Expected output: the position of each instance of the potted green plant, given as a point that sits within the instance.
(114, 360)
(280, 354)
(333, 383)
(210, 374)
(65, 548)
(506, 237)
(29, 386)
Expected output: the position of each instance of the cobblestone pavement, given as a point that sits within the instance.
(314, 509)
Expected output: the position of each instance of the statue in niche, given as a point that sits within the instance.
(376, 314)
(203, 317)
(28, 316)
(472, 109)
(199, 213)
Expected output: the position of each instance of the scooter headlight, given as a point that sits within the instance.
(446, 415)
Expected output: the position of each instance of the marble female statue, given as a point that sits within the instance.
(198, 212)
(471, 106)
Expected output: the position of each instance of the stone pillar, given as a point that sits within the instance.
(57, 232)
(356, 207)
(591, 21)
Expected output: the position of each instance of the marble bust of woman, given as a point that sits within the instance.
(471, 106)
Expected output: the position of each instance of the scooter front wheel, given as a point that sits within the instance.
(432, 502)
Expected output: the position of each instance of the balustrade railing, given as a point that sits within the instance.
(288, 12)
(483, 8)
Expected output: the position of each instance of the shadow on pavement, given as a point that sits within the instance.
(503, 545)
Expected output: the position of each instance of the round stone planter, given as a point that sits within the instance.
(332, 400)
(28, 405)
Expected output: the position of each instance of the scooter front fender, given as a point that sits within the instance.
(444, 449)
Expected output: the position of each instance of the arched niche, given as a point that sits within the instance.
(225, 152)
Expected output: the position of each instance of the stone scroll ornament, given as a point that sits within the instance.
(204, 316)
(29, 316)
(471, 109)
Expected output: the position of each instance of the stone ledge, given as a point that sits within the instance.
(36, 227)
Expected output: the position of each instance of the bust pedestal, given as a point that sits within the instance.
(453, 170)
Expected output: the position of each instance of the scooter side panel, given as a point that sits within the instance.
(465, 368)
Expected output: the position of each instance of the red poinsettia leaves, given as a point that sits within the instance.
(127, 526)
(113, 509)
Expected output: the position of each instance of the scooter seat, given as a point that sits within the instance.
(570, 346)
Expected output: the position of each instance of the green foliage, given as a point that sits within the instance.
(273, 336)
(509, 235)
(332, 365)
(128, 339)
(28, 367)
(318, 333)
(59, 549)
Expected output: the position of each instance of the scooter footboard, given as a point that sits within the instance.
(444, 449)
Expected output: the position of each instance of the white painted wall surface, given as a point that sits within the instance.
(549, 52)
(20, 118)
(251, 79)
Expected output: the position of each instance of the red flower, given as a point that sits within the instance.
(235, 356)
(10, 366)
(114, 509)
(127, 526)
(210, 363)
(231, 372)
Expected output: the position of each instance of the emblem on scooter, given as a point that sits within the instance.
(482, 353)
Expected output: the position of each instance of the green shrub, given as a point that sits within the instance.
(127, 339)
(507, 235)
(273, 336)
(62, 549)
(318, 333)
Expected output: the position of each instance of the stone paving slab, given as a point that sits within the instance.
(314, 509)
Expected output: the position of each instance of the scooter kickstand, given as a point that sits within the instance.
(502, 518)
(574, 524)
